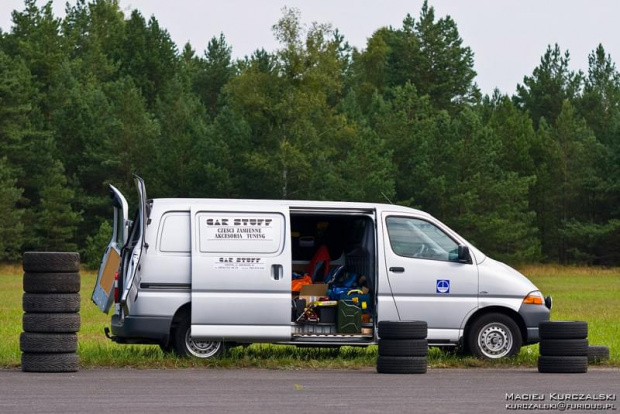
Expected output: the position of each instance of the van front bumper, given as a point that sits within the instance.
(533, 315)
(140, 329)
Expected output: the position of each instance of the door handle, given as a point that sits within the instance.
(277, 272)
(397, 269)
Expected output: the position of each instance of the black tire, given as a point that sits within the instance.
(401, 365)
(47, 342)
(51, 262)
(563, 330)
(564, 347)
(184, 346)
(563, 364)
(597, 353)
(494, 336)
(403, 330)
(451, 350)
(67, 362)
(51, 322)
(52, 282)
(51, 302)
(403, 347)
(167, 349)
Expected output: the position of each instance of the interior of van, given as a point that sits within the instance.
(333, 294)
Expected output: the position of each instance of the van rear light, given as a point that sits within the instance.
(116, 293)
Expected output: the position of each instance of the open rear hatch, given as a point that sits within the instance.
(123, 254)
(102, 294)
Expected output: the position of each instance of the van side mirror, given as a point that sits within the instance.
(464, 255)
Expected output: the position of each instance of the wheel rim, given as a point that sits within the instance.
(495, 340)
(201, 349)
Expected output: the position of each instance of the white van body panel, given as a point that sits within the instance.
(241, 273)
(180, 269)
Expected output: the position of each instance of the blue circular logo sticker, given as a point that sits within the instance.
(443, 286)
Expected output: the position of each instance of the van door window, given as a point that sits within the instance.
(410, 237)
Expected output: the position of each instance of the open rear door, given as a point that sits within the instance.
(241, 274)
(102, 295)
(133, 251)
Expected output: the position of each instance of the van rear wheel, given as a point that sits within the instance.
(184, 345)
(494, 336)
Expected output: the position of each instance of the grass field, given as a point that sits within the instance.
(588, 294)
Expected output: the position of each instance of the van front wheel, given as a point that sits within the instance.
(184, 345)
(494, 336)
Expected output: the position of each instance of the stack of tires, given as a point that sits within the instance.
(51, 303)
(563, 347)
(403, 347)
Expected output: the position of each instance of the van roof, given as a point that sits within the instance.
(177, 202)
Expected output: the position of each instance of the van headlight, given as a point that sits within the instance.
(534, 298)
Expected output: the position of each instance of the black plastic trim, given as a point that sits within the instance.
(142, 329)
(184, 286)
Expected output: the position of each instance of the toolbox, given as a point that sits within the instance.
(327, 314)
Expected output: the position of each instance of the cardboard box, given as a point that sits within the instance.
(312, 293)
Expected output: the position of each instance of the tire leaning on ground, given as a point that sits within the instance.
(403, 330)
(597, 353)
(185, 346)
(52, 282)
(403, 347)
(563, 364)
(563, 330)
(48, 342)
(51, 302)
(51, 322)
(494, 336)
(66, 362)
(564, 347)
(401, 365)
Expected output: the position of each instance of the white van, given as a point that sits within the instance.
(195, 274)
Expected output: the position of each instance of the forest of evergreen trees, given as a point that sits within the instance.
(93, 97)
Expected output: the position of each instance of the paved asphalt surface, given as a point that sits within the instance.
(292, 392)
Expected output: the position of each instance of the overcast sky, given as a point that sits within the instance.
(508, 37)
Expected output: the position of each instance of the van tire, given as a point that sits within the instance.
(494, 336)
(63, 262)
(184, 346)
(65, 362)
(47, 342)
(167, 349)
(403, 330)
(563, 330)
(401, 365)
(51, 302)
(51, 322)
(597, 354)
(564, 347)
(563, 364)
(403, 347)
(51, 282)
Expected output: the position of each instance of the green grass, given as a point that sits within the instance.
(588, 294)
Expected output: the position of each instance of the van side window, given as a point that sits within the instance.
(410, 237)
(174, 233)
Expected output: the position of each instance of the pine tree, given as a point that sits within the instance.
(552, 82)
(53, 219)
(11, 226)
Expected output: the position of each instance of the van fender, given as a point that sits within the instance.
(184, 311)
(476, 313)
